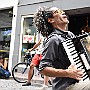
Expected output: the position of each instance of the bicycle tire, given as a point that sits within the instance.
(18, 72)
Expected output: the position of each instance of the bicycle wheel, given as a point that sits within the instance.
(20, 72)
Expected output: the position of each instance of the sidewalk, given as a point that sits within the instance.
(10, 84)
(36, 83)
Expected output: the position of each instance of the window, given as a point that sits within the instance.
(5, 38)
(28, 34)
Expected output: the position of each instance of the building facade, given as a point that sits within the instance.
(23, 33)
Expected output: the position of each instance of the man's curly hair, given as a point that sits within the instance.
(40, 21)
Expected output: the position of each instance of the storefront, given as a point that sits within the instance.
(5, 31)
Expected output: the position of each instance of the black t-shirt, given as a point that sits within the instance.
(55, 56)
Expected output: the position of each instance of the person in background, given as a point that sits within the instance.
(4, 72)
(52, 22)
(35, 62)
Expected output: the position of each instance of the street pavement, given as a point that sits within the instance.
(11, 84)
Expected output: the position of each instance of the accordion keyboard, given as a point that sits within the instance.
(74, 57)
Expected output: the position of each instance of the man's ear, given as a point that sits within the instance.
(50, 20)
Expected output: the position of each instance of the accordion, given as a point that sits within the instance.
(80, 59)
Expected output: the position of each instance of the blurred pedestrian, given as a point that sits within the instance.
(35, 62)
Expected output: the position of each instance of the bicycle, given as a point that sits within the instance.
(20, 70)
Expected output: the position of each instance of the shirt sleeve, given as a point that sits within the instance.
(50, 53)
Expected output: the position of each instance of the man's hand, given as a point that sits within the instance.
(74, 73)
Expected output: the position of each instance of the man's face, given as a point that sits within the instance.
(59, 16)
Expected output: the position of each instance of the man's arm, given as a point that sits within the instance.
(71, 72)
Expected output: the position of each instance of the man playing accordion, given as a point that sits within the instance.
(63, 53)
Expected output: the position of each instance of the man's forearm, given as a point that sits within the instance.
(52, 72)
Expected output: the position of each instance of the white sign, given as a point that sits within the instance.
(28, 39)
